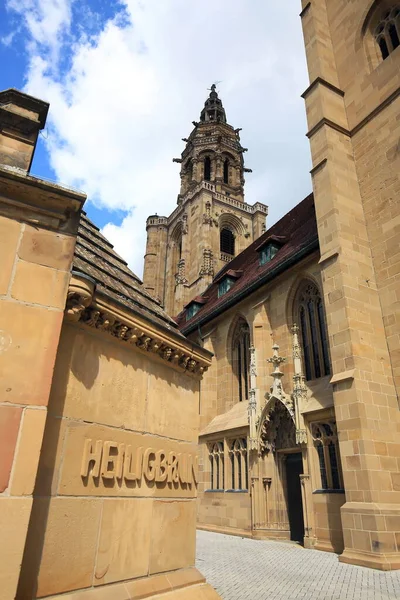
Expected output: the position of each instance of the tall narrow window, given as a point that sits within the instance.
(227, 241)
(226, 171)
(387, 32)
(239, 465)
(207, 168)
(326, 443)
(216, 456)
(241, 359)
(189, 170)
(314, 336)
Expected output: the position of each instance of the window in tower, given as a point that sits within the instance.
(226, 171)
(227, 242)
(189, 170)
(387, 32)
(207, 168)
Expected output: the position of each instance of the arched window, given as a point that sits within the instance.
(226, 171)
(207, 168)
(387, 32)
(241, 359)
(326, 443)
(311, 316)
(239, 466)
(216, 456)
(227, 241)
(189, 170)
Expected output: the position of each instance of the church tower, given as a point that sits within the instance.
(212, 223)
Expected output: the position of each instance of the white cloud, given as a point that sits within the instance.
(119, 111)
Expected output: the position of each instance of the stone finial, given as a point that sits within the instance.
(276, 361)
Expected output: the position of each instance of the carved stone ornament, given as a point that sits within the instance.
(207, 218)
(299, 394)
(184, 224)
(102, 320)
(207, 267)
(79, 296)
(180, 278)
(276, 390)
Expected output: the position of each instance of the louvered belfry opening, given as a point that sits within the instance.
(227, 241)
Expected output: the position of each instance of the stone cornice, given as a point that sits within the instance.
(37, 201)
(325, 83)
(19, 99)
(89, 308)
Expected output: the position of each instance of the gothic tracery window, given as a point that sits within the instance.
(241, 359)
(217, 466)
(311, 316)
(387, 32)
(326, 443)
(239, 465)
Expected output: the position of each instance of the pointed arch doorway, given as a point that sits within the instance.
(276, 476)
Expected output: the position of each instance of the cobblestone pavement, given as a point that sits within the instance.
(241, 568)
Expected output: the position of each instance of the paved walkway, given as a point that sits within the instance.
(241, 569)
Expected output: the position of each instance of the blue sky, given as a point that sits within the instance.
(126, 79)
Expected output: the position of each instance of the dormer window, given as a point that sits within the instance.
(268, 252)
(225, 285)
(269, 248)
(194, 306)
(227, 280)
(192, 309)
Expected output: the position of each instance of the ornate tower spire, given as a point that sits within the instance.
(184, 250)
(213, 110)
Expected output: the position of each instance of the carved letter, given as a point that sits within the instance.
(173, 474)
(161, 466)
(109, 460)
(133, 471)
(89, 455)
(120, 461)
(149, 469)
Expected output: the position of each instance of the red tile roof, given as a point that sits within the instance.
(297, 231)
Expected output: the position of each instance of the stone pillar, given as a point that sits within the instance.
(38, 226)
(364, 396)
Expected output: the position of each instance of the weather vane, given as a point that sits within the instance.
(214, 85)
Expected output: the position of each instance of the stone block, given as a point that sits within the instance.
(14, 519)
(37, 284)
(9, 237)
(27, 362)
(148, 587)
(104, 461)
(97, 380)
(69, 543)
(27, 457)
(124, 543)
(173, 535)
(46, 248)
(171, 406)
(10, 418)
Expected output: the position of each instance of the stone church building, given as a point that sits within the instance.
(299, 412)
(277, 348)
